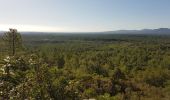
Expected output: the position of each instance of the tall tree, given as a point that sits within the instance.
(13, 40)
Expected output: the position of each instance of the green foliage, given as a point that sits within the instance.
(89, 93)
(106, 96)
(155, 76)
(12, 40)
(104, 67)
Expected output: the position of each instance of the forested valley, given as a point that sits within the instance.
(84, 66)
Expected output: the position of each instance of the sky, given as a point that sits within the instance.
(83, 15)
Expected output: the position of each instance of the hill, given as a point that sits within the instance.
(143, 31)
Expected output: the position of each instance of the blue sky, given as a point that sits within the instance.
(83, 15)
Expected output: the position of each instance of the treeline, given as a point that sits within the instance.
(133, 69)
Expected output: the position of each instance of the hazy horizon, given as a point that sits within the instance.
(86, 31)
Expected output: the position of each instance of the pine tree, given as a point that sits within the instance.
(12, 40)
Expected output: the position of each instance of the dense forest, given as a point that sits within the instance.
(84, 66)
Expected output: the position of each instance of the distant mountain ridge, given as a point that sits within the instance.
(143, 31)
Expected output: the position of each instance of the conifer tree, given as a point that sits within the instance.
(12, 40)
